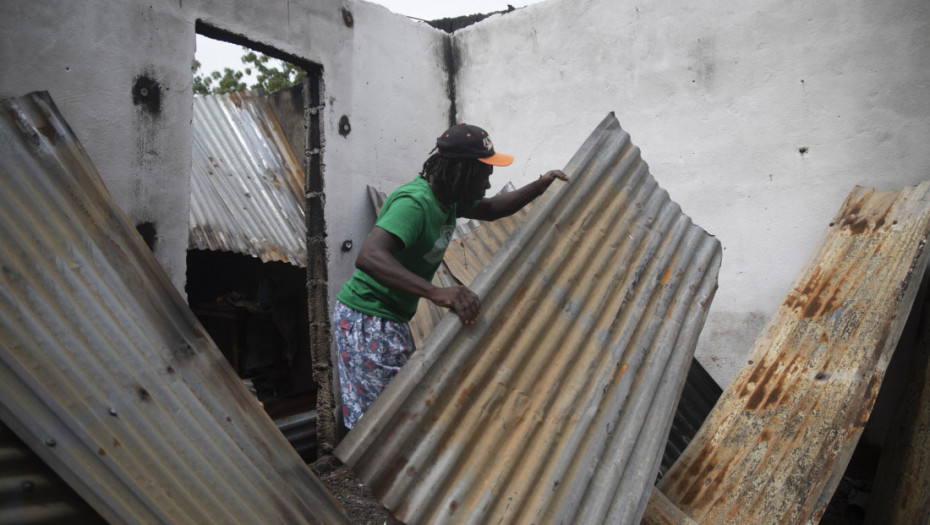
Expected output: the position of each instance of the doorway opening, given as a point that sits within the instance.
(256, 266)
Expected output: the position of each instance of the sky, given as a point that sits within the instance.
(215, 55)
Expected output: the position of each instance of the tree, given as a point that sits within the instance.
(269, 78)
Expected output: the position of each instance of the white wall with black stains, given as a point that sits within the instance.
(758, 119)
(382, 71)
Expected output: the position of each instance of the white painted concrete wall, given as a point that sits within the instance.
(721, 98)
(386, 73)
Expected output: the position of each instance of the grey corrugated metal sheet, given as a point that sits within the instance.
(31, 493)
(246, 184)
(698, 398)
(104, 371)
(555, 405)
(473, 247)
(779, 439)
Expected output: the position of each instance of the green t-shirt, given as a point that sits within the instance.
(425, 227)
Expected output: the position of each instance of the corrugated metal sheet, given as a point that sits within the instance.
(31, 493)
(698, 398)
(555, 405)
(104, 371)
(777, 443)
(246, 184)
(473, 247)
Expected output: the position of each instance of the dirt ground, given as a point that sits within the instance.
(360, 504)
(356, 498)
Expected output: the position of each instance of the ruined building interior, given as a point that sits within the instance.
(721, 319)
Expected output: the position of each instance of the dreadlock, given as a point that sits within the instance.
(455, 180)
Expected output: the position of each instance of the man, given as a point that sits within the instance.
(402, 253)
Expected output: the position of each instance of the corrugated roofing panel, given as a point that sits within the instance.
(246, 184)
(473, 247)
(778, 441)
(554, 407)
(31, 493)
(104, 371)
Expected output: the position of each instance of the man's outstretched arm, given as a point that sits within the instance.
(505, 204)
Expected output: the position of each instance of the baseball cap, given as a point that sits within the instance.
(464, 141)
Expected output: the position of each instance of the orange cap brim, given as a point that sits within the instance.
(498, 159)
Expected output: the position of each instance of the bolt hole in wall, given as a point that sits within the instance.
(257, 313)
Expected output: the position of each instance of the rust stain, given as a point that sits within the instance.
(49, 132)
(620, 372)
(857, 224)
(701, 480)
(713, 485)
(765, 435)
(236, 99)
(809, 299)
(689, 483)
(768, 387)
(101, 452)
(667, 277)
(463, 397)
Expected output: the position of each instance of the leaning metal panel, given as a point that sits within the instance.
(104, 371)
(555, 406)
(246, 184)
(775, 446)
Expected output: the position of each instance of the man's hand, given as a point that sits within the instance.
(459, 298)
(550, 176)
(508, 203)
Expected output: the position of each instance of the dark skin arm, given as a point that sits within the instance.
(505, 204)
(376, 258)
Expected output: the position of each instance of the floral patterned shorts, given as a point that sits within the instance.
(371, 351)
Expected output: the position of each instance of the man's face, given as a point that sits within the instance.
(483, 184)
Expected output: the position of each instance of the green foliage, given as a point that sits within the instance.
(269, 77)
(272, 75)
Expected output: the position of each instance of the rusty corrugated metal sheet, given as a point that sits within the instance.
(473, 247)
(779, 439)
(555, 405)
(104, 371)
(246, 184)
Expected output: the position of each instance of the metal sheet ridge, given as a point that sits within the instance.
(247, 185)
(105, 373)
(555, 406)
(813, 374)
